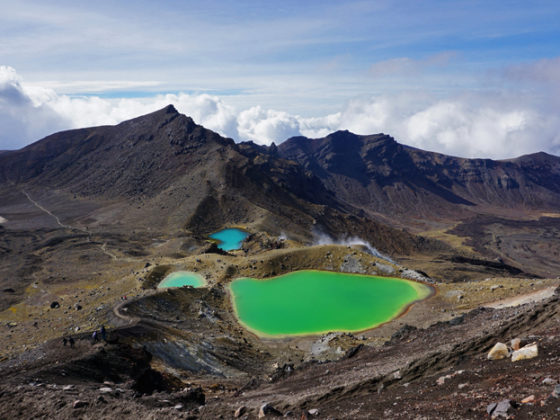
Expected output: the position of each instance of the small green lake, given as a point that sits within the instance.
(316, 302)
(229, 239)
(182, 278)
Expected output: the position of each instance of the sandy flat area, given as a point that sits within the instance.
(523, 299)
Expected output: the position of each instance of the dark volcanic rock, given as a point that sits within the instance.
(163, 170)
(378, 174)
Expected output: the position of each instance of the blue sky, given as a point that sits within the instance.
(435, 74)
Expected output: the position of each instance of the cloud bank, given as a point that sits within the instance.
(489, 124)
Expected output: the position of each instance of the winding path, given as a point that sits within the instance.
(40, 207)
(103, 247)
(117, 310)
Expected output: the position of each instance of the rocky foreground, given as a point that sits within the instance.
(443, 371)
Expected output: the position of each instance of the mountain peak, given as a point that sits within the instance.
(170, 109)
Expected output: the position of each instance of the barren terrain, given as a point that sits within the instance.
(92, 220)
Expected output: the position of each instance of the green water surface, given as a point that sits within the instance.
(180, 279)
(316, 302)
(229, 239)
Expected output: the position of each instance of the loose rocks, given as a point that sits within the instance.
(268, 410)
(240, 411)
(79, 404)
(501, 409)
(528, 400)
(527, 352)
(499, 351)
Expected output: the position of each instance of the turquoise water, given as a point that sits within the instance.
(316, 302)
(229, 239)
(182, 278)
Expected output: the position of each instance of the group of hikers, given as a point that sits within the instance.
(94, 337)
(68, 340)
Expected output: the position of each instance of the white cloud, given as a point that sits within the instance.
(267, 126)
(545, 71)
(475, 125)
(481, 125)
(21, 117)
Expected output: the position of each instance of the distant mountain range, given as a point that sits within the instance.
(164, 168)
(379, 175)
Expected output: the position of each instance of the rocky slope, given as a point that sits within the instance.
(377, 174)
(92, 219)
(163, 171)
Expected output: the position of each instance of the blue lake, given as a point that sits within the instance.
(229, 239)
(182, 278)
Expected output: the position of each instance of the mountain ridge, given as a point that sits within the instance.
(164, 170)
(378, 174)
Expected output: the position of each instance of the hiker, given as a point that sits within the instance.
(103, 333)
(71, 341)
(94, 337)
(64, 340)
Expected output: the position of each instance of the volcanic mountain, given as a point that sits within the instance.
(91, 221)
(379, 175)
(164, 172)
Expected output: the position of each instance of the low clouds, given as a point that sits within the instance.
(22, 118)
(267, 126)
(480, 125)
(475, 125)
(545, 71)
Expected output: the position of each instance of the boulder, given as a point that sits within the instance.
(499, 351)
(528, 400)
(268, 410)
(79, 404)
(239, 412)
(191, 398)
(55, 305)
(549, 381)
(516, 344)
(501, 409)
(527, 352)
(105, 390)
(313, 412)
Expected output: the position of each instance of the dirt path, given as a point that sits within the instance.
(103, 247)
(118, 311)
(40, 207)
(532, 297)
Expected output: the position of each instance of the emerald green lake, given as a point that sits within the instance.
(180, 279)
(316, 302)
(229, 239)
